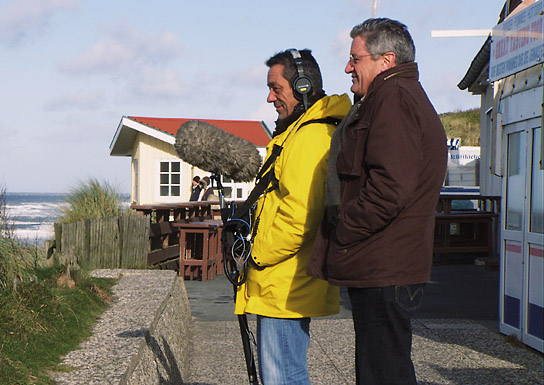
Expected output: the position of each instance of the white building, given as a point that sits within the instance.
(508, 74)
(158, 174)
(463, 164)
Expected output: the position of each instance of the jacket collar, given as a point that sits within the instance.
(283, 124)
(404, 71)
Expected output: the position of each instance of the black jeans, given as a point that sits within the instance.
(383, 333)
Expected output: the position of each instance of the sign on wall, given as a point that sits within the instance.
(517, 43)
(463, 166)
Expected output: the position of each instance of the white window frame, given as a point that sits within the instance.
(158, 184)
(235, 188)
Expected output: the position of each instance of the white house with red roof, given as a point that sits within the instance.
(158, 174)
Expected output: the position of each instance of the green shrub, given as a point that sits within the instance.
(91, 200)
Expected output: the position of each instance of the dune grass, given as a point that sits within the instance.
(45, 319)
(92, 199)
(43, 314)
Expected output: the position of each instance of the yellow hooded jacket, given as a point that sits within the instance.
(289, 218)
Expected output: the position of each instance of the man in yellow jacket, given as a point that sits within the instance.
(277, 288)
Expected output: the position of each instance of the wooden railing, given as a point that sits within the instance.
(164, 251)
(466, 223)
(152, 237)
(182, 211)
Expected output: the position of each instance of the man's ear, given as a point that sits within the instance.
(389, 60)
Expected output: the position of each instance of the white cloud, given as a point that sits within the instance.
(251, 77)
(159, 84)
(140, 62)
(126, 48)
(24, 19)
(82, 100)
(361, 7)
(5, 134)
(232, 92)
(340, 45)
(266, 113)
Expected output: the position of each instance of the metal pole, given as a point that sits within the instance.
(374, 4)
(248, 352)
(242, 319)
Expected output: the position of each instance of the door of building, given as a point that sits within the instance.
(522, 235)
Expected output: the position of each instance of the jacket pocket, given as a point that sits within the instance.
(356, 261)
(350, 158)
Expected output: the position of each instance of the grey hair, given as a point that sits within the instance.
(383, 35)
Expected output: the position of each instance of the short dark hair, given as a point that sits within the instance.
(309, 65)
(383, 35)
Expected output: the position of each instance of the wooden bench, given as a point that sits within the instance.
(163, 243)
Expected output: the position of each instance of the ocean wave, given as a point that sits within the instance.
(33, 215)
(35, 236)
(35, 210)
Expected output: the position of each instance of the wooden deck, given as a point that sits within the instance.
(185, 237)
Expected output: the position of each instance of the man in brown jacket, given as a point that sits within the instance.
(387, 163)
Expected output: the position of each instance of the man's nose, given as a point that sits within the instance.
(349, 67)
(271, 97)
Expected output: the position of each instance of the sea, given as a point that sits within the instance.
(33, 215)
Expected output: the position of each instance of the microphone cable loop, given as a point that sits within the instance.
(240, 250)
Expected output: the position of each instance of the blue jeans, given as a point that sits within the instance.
(282, 347)
(383, 333)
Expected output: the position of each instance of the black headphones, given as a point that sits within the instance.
(302, 84)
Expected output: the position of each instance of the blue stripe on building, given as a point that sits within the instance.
(536, 321)
(512, 311)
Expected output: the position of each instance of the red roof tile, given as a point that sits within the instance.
(250, 130)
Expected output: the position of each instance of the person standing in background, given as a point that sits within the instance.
(195, 189)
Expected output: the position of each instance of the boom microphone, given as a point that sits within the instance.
(211, 149)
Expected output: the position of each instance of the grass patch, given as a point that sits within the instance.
(44, 319)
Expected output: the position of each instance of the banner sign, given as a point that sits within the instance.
(517, 43)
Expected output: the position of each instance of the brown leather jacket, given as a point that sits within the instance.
(391, 168)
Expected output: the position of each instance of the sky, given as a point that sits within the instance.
(71, 69)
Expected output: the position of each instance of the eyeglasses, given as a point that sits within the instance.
(354, 59)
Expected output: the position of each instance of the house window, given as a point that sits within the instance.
(233, 190)
(537, 185)
(170, 178)
(227, 186)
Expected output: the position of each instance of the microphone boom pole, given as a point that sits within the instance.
(242, 318)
